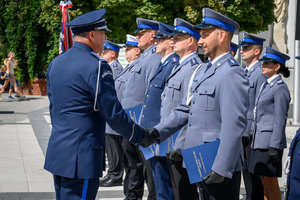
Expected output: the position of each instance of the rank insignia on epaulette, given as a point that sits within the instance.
(280, 82)
(154, 50)
(233, 62)
(194, 61)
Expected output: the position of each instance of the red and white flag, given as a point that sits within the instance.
(66, 40)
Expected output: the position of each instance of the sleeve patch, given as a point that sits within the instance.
(107, 73)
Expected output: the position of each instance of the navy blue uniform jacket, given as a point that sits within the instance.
(152, 103)
(293, 178)
(76, 144)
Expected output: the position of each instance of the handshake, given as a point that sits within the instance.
(150, 136)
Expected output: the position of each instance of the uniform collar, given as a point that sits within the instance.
(250, 66)
(82, 46)
(270, 80)
(218, 58)
(186, 57)
(113, 62)
(149, 50)
(166, 57)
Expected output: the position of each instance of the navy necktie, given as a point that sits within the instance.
(207, 66)
(263, 86)
(246, 70)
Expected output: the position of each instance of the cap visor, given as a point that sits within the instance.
(177, 32)
(205, 26)
(140, 30)
(128, 45)
(245, 44)
(266, 59)
(107, 30)
(160, 36)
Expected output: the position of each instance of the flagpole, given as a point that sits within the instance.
(67, 29)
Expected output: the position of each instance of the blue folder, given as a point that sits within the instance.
(148, 152)
(134, 113)
(168, 144)
(200, 159)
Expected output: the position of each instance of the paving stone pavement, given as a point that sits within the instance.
(24, 132)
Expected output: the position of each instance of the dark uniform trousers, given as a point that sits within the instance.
(115, 156)
(74, 188)
(228, 189)
(134, 180)
(147, 172)
(182, 187)
(253, 184)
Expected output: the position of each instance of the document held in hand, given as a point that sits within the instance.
(148, 152)
(134, 113)
(200, 159)
(168, 144)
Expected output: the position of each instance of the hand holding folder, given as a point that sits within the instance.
(199, 161)
(213, 178)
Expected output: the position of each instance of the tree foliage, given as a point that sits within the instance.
(31, 28)
(21, 33)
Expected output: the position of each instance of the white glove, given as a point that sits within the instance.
(286, 165)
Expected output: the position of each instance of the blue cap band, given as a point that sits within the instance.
(249, 40)
(83, 29)
(111, 47)
(233, 48)
(193, 33)
(275, 57)
(148, 26)
(219, 23)
(132, 43)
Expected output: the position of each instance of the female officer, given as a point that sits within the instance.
(270, 115)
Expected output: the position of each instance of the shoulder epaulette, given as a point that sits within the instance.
(175, 59)
(154, 50)
(279, 82)
(97, 56)
(194, 61)
(232, 62)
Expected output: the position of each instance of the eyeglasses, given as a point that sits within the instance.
(247, 48)
(140, 34)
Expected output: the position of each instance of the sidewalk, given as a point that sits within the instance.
(24, 133)
(21, 157)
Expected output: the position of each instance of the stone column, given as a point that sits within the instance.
(279, 28)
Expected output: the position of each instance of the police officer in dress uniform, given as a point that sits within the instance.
(233, 48)
(150, 115)
(252, 47)
(82, 98)
(185, 42)
(215, 107)
(270, 115)
(293, 167)
(133, 95)
(112, 139)
(132, 53)
(111, 54)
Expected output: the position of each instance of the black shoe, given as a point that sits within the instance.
(105, 178)
(111, 182)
